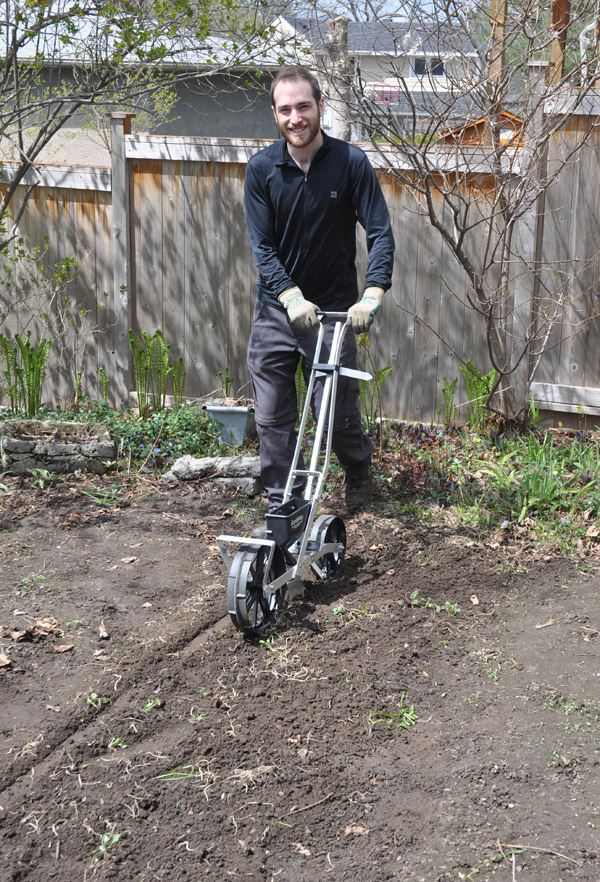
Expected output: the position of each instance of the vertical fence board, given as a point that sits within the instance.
(148, 248)
(242, 279)
(427, 327)
(173, 250)
(395, 324)
(85, 290)
(572, 356)
(453, 317)
(216, 343)
(556, 242)
(103, 284)
(196, 381)
(592, 286)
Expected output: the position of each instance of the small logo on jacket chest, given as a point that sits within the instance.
(333, 194)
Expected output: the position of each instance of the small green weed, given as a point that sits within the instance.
(416, 600)
(352, 615)
(181, 773)
(95, 701)
(151, 704)
(34, 578)
(493, 860)
(111, 497)
(403, 718)
(490, 662)
(42, 478)
(115, 742)
(106, 843)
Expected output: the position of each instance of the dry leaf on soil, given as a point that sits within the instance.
(354, 829)
(41, 628)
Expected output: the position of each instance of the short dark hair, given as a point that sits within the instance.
(296, 72)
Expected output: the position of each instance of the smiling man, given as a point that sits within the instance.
(305, 195)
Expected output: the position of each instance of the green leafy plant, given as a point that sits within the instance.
(181, 773)
(43, 478)
(111, 497)
(447, 413)
(24, 371)
(115, 742)
(226, 383)
(105, 382)
(479, 387)
(106, 843)
(94, 701)
(416, 599)
(370, 390)
(301, 389)
(151, 704)
(152, 370)
(536, 477)
(403, 718)
(534, 412)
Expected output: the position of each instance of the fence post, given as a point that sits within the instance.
(120, 125)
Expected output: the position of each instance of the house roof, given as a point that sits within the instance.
(97, 39)
(471, 132)
(388, 36)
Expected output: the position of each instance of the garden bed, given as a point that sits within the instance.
(143, 738)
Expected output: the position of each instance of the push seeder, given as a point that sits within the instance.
(272, 561)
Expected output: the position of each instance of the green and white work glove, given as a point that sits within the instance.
(360, 316)
(302, 312)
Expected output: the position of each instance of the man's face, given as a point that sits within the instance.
(297, 114)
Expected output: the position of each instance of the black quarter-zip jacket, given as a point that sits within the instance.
(302, 227)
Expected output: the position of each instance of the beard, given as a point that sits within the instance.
(307, 136)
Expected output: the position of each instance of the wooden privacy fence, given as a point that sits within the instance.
(161, 242)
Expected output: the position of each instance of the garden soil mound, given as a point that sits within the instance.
(429, 713)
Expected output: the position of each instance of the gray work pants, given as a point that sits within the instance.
(274, 351)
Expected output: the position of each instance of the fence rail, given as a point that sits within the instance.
(161, 242)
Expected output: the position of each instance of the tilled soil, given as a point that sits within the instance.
(143, 737)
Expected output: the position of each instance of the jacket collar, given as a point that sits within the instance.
(286, 159)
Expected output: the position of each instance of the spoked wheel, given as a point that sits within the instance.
(329, 529)
(250, 611)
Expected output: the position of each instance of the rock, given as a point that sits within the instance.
(234, 472)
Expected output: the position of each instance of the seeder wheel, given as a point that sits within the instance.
(327, 529)
(250, 611)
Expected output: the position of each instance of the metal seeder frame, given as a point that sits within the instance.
(271, 561)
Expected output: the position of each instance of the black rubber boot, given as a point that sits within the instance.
(359, 487)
